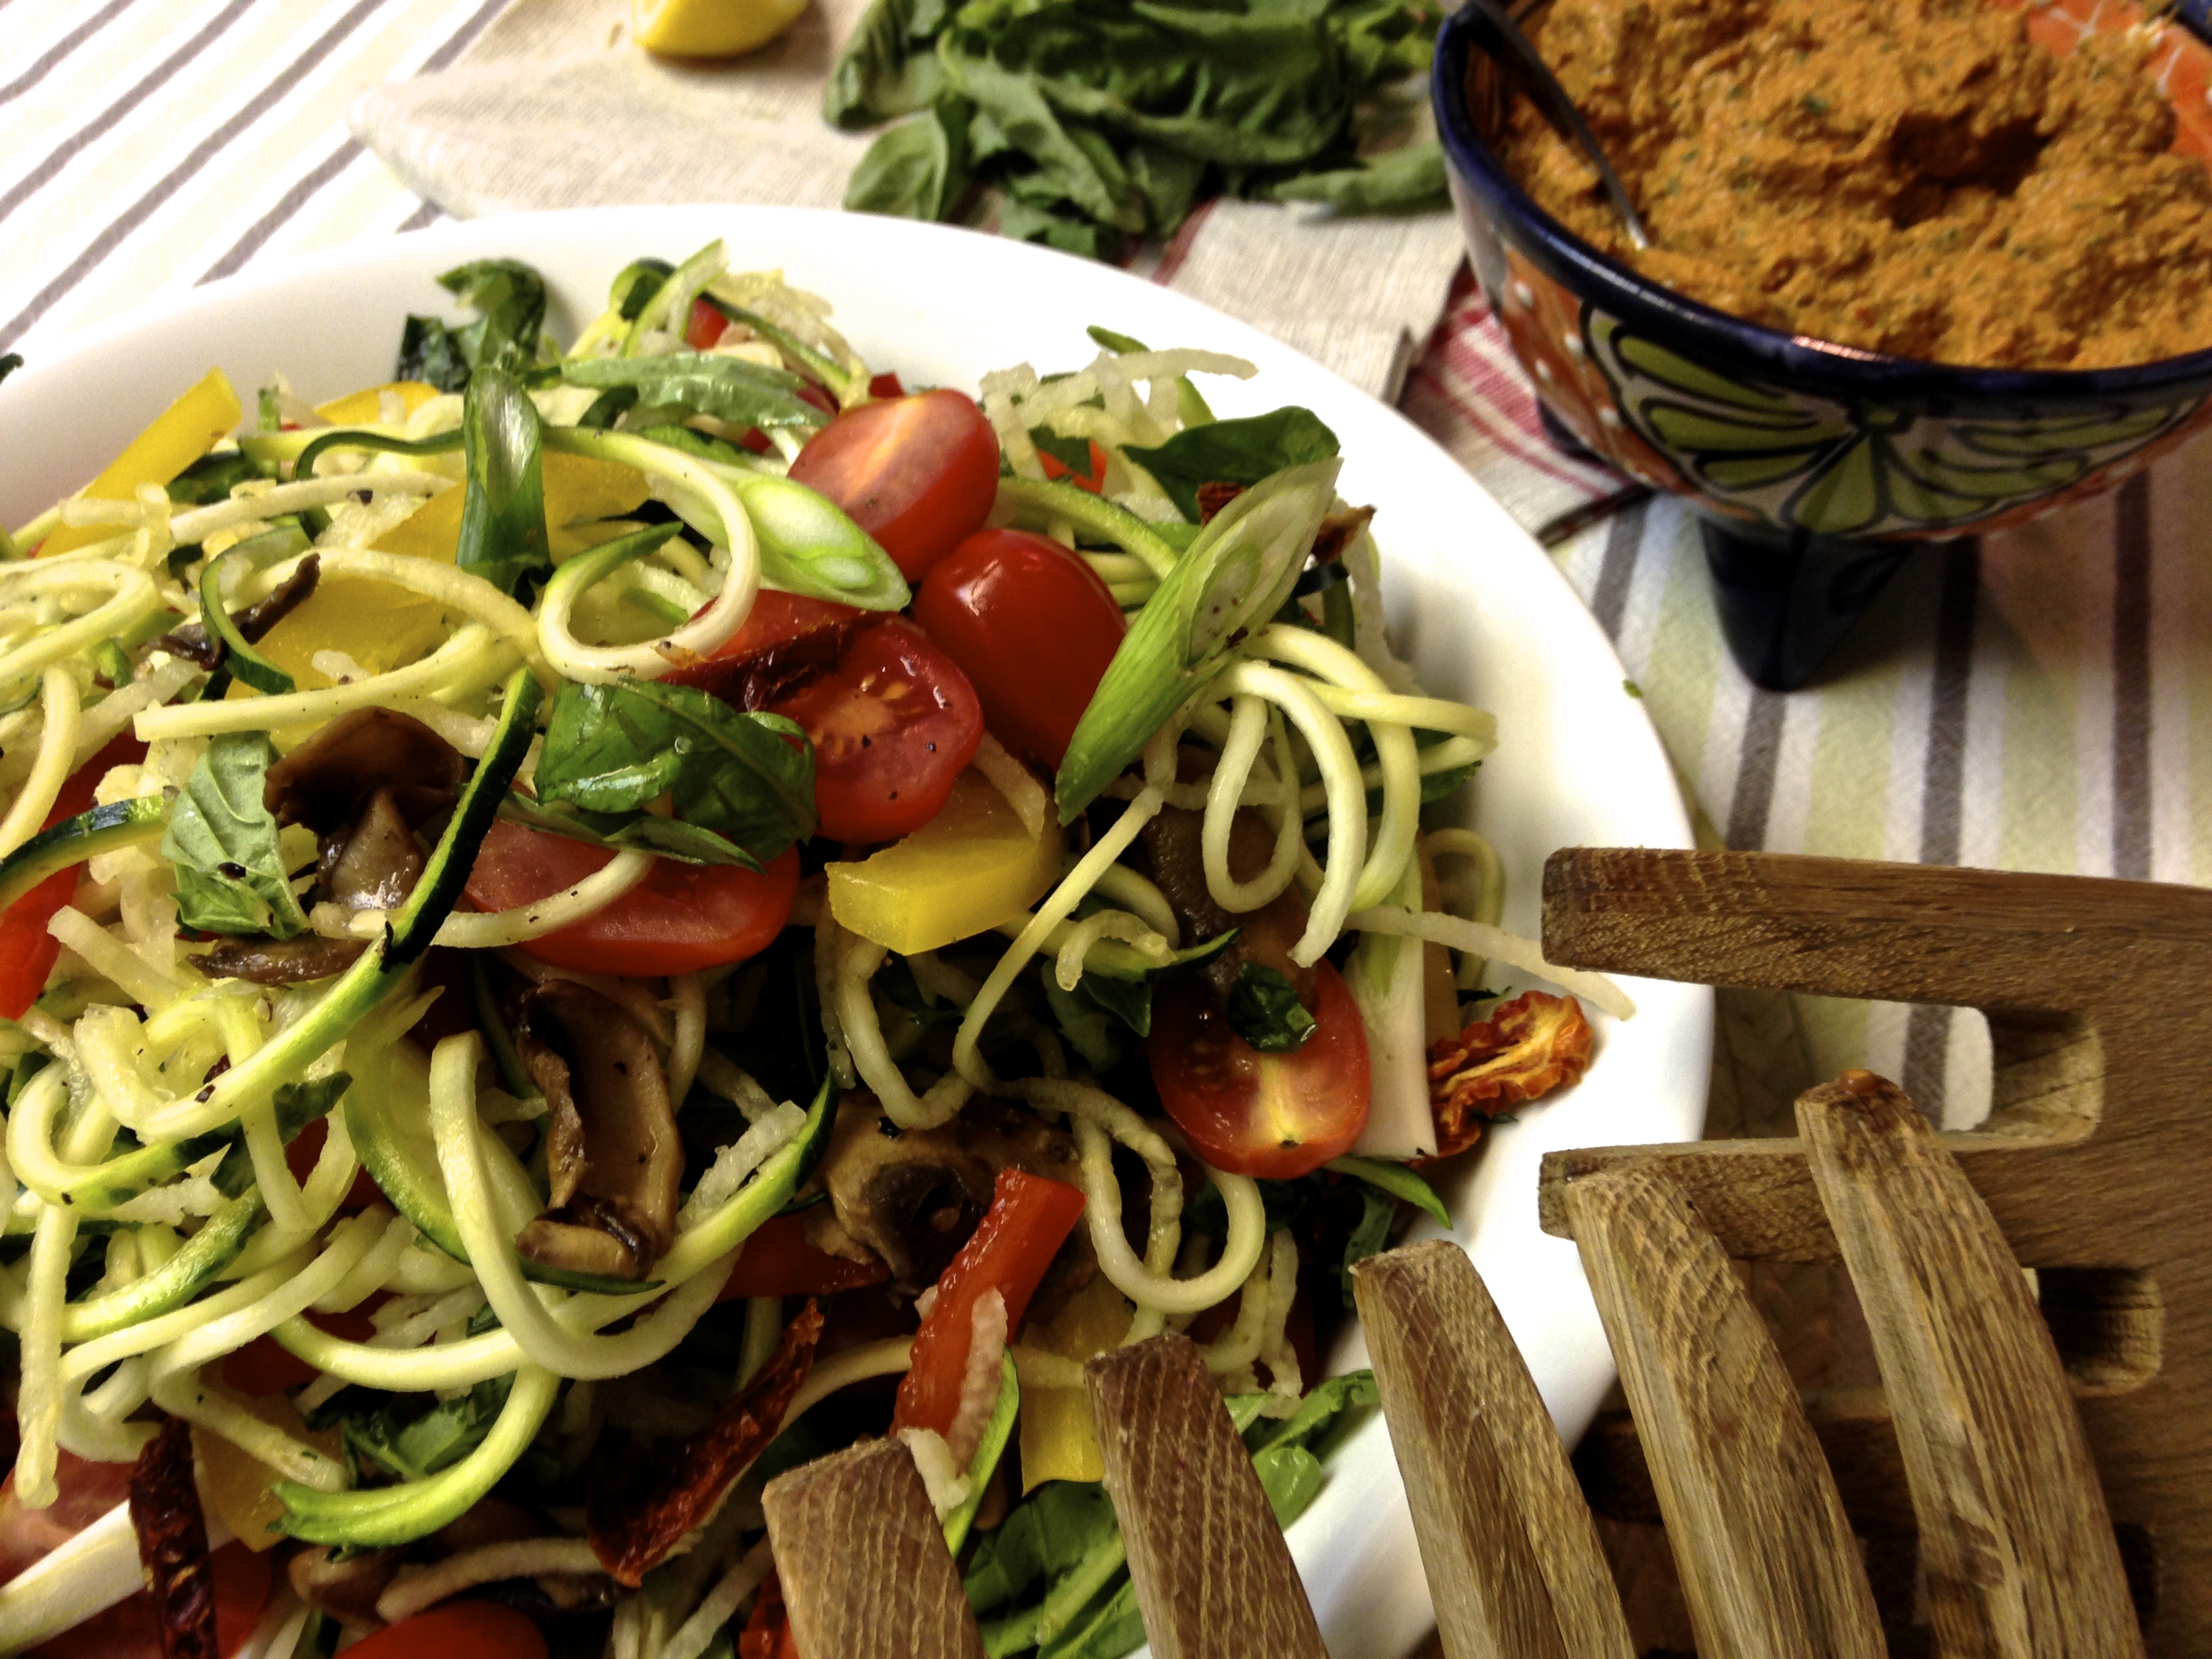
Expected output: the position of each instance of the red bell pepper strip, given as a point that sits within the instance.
(28, 950)
(779, 1260)
(1030, 1218)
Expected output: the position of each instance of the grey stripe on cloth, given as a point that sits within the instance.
(61, 49)
(1753, 799)
(336, 162)
(142, 209)
(429, 213)
(1624, 542)
(2131, 679)
(101, 125)
(1942, 785)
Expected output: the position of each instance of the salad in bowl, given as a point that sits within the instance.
(602, 918)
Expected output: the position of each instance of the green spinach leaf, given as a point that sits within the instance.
(1241, 452)
(888, 68)
(413, 1447)
(503, 537)
(1408, 180)
(733, 389)
(731, 772)
(918, 169)
(1265, 1010)
(230, 876)
(509, 299)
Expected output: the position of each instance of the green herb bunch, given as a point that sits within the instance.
(1104, 119)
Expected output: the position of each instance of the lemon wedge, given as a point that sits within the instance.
(710, 28)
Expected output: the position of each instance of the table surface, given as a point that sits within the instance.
(2038, 699)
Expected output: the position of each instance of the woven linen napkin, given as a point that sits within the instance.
(553, 106)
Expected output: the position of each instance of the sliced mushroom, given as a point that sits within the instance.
(376, 865)
(613, 1154)
(346, 1588)
(192, 643)
(278, 962)
(913, 1197)
(328, 781)
(1172, 841)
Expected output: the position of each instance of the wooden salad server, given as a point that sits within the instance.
(2024, 1421)
(1214, 1578)
(862, 1560)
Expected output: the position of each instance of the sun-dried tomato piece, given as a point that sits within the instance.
(642, 1506)
(173, 1544)
(1526, 1048)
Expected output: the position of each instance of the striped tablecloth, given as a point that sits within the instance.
(2040, 700)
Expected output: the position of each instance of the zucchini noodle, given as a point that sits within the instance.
(864, 1036)
(1394, 751)
(57, 736)
(1248, 728)
(450, 586)
(1499, 946)
(262, 505)
(1015, 782)
(887, 1357)
(114, 961)
(1236, 1351)
(495, 930)
(1099, 1121)
(1347, 798)
(696, 1633)
(472, 654)
(40, 1390)
(1136, 892)
(704, 634)
(686, 997)
(132, 599)
(414, 1588)
(1078, 936)
(1484, 903)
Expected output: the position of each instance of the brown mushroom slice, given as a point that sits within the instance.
(913, 1197)
(327, 782)
(613, 1156)
(345, 1586)
(278, 962)
(376, 865)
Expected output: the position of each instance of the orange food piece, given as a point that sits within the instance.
(1527, 1048)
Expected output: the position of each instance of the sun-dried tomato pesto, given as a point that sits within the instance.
(1912, 176)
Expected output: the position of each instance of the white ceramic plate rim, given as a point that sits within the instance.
(1472, 599)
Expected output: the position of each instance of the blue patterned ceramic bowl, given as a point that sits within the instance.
(1788, 446)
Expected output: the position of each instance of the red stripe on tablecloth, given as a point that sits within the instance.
(1178, 248)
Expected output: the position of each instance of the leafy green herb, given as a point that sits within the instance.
(504, 536)
(1396, 1180)
(690, 441)
(1098, 119)
(1085, 1023)
(412, 1448)
(1113, 341)
(509, 299)
(211, 478)
(222, 840)
(1408, 180)
(733, 389)
(730, 772)
(1370, 1234)
(1074, 453)
(633, 288)
(889, 67)
(918, 169)
(1129, 1001)
(1240, 451)
(1265, 1010)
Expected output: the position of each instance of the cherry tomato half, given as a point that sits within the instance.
(458, 1630)
(1032, 626)
(1272, 1116)
(681, 917)
(917, 473)
(783, 636)
(893, 724)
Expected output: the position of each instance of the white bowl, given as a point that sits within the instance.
(1472, 599)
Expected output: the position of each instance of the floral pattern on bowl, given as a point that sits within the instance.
(1797, 436)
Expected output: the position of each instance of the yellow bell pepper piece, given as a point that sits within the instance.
(380, 626)
(187, 430)
(1059, 1441)
(964, 872)
(237, 1485)
(365, 407)
(578, 491)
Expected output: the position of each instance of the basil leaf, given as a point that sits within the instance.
(502, 536)
(1045, 1534)
(1129, 1001)
(1080, 168)
(211, 478)
(1317, 1413)
(1070, 233)
(1265, 1010)
(615, 748)
(1291, 1478)
(412, 1448)
(1370, 1234)
(674, 838)
(1241, 452)
(918, 169)
(509, 298)
(733, 389)
(230, 876)
(887, 69)
(1088, 1028)
(1396, 1180)
(1408, 180)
